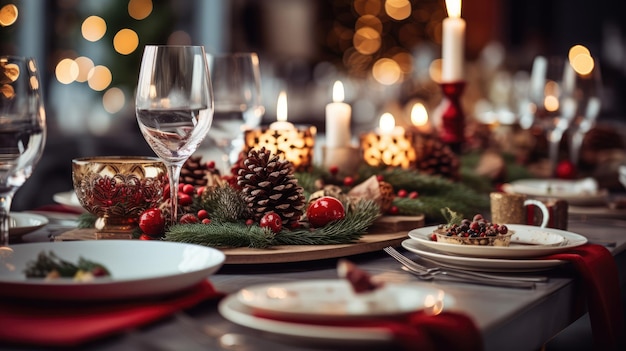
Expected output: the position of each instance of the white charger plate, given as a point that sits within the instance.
(557, 189)
(526, 242)
(22, 223)
(138, 268)
(480, 264)
(335, 299)
(69, 199)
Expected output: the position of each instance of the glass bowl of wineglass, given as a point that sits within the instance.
(174, 106)
(22, 130)
(236, 84)
(117, 189)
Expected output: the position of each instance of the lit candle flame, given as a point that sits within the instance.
(419, 115)
(338, 93)
(281, 107)
(387, 123)
(454, 8)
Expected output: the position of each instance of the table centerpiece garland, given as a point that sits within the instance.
(226, 212)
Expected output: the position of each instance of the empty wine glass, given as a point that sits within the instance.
(585, 85)
(174, 106)
(237, 93)
(22, 130)
(555, 107)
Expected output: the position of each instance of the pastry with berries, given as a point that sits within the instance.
(475, 231)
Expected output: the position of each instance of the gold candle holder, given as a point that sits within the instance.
(293, 144)
(393, 150)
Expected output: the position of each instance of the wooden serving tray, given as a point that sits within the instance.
(386, 231)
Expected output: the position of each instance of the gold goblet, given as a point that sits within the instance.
(118, 189)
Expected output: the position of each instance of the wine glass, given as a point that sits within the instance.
(237, 93)
(22, 130)
(555, 106)
(586, 84)
(174, 106)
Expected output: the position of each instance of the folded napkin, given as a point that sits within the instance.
(417, 331)
(58, 208)
(71, 323)
(598, 272)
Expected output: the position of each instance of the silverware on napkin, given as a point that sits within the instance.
(462, 276)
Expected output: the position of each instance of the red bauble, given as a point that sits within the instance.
(188, 218)
(565, 170)
(325, 210)
(273, 221)
(152, 222)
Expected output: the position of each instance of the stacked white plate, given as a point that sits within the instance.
(530, 246)
(284, 308)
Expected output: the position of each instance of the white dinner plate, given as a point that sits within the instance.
(138, 268)
(527, 241)
(479, 264)
(573, 191)
(22, 223)
(232, 309)
(69, 199)
(335, 299)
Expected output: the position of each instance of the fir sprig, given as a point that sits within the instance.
(221, 234)
(224, 204)
(237, 234)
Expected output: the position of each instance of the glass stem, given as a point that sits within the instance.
(5, 218)
(554, 140)
(173, 172)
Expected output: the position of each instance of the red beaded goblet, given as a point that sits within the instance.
(117, 189)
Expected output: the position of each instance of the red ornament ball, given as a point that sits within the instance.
(152, 222)
(565, 170)
(188, 218)
(273, 221)
(325, 210)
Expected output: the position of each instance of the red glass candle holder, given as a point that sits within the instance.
(452, 129)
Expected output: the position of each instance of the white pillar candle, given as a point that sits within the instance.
(338, 119)
(453, 43)
(281, 114)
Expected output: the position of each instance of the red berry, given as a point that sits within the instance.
(210, 164)
(475, 226)
(325, 210)
(394, 210)
(477, 217)
(380, 178)
(200, 190)
(188, 218)
(206, 221)
(180, 187)
(152, 222)
(273, 221)
(413, 195)
(503, 229)
(249, 222)
(348, 181)
(184, 199)
(333, 170)
(402, 193)
(433, 237)
(188, 189)
(202, 214)
(145, 237)
(565, 170)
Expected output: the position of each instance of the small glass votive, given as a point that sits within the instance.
(117, 189)
(294, 144)
(393, 150)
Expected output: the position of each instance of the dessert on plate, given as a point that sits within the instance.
(477, 231)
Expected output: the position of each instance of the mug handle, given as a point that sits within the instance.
(545, 213)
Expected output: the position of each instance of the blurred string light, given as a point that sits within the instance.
(383, 34)
(8, 15)
(82, 69)
(580, 59)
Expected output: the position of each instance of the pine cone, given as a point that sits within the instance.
(268, 184)
(195, 172)
(434, 157)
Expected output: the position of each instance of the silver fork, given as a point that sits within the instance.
(458, 276)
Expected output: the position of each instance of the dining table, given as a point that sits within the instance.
(507, 318)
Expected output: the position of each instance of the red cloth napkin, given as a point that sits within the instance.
(66, 324)
(598, 271)
(58, 208)
(417, 331)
